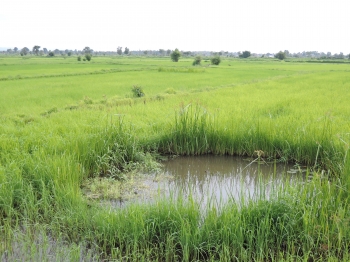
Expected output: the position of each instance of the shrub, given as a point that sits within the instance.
(137, 91)
(79, 58)
(88, 57)
(51, 53)
(215, 60)
(197, 60)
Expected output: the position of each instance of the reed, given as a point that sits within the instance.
(196, 131)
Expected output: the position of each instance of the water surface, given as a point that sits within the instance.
(211, 179)
(225, 178)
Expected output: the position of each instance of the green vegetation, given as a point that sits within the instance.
(280, 55)
(68, 128)
(137, 91)
(126, 51)
(24, 51)
(197, 60)
(216, 60)
(175, 55)
(36, 49)
(245, 54)
(180, 70)
(119, 50)
(88, 57)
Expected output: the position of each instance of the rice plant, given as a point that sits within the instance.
(57, 133)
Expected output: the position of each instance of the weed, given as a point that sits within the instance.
(170, 91)
(137, 91)
(87, 100)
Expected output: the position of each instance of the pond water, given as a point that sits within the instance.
(225, 178)
(213, 179)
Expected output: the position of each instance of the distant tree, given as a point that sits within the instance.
(87, 50)
(35, 49)
(286, 52)
(216, 60)
(145, 52)
(175, 55)
(15, 49)
(348, 56)
(168, 52)
(45, 50)
(119, 50)
(69, 53)
(126, 51)
(245, 54)
(24, 51)
(161, 52)
(51, 53)
(280, 55)
(197, 60)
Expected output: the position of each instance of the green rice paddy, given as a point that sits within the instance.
(63, 122)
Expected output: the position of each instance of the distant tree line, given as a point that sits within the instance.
(38, 51)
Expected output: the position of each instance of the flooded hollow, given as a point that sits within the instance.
(211, 179)
(225, 178)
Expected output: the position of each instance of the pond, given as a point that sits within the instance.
(213, 179)
(221, 179)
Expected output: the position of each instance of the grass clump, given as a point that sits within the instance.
(181, 70)
(137, 91)
(170, 91)
(190, 133)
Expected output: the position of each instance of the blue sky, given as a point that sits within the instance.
(228, 25)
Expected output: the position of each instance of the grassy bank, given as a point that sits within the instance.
(57, 131)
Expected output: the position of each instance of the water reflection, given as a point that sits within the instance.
(224, 178)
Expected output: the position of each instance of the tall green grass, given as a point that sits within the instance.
(196, 131)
